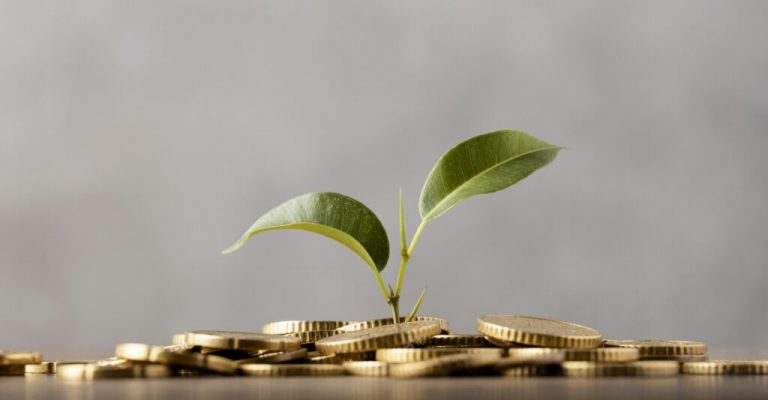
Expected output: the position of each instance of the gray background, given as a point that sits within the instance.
(139, 138)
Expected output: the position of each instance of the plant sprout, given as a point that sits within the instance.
(482, 164)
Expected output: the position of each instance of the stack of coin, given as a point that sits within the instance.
(506, 345)
(727, 367)
(176, 359)
(439, 355)
(308, 332)
(13, 363)
(634, 368)
(192, 353)
(444, 365)
(384, 336)
(584, 352)
(462, 341)
(672, 350)
(538, 346)
(374, 323)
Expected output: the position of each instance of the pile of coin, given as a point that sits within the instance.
(505, 345)
(14, 363)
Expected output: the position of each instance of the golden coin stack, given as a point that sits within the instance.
(14, 363)
(505, 345)
(542, 347)
(308, 332)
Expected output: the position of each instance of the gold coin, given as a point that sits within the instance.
(283, 327)
(157, 354)
(12, 370)
(324, 359)
(292, 369)
(532, 370)
(503, 343)
(681, 358)
(603, 355)
(412, 355)
(137, 352)
(199, 361)
(534, 331)
(367, 368)
(342, 358)
(104, 362)
(233, 354)
(458, 341)
(654, 348)
(375, 323)
(95, 371)
(177, 348)
(19, 358)
(442, 366)
(313, 336)
(379, 337)
(62, 362)
(46, 367)
(534, 354)
(634, 368)
(50, 367)
(242, 340)
(727, 367)
(275, 357)
(180, 339)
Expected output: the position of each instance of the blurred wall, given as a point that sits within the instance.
(139, 138)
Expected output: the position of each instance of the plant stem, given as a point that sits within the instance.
(405, 256)
(393, 299)
(416, 236)
(381, 284)
(394, 304)
(402, 225)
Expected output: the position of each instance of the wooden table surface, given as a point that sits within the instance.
(683, 387)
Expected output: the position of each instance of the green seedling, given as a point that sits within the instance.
(483, 164)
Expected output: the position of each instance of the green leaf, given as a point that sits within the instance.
(483, 164)
(334, 215)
